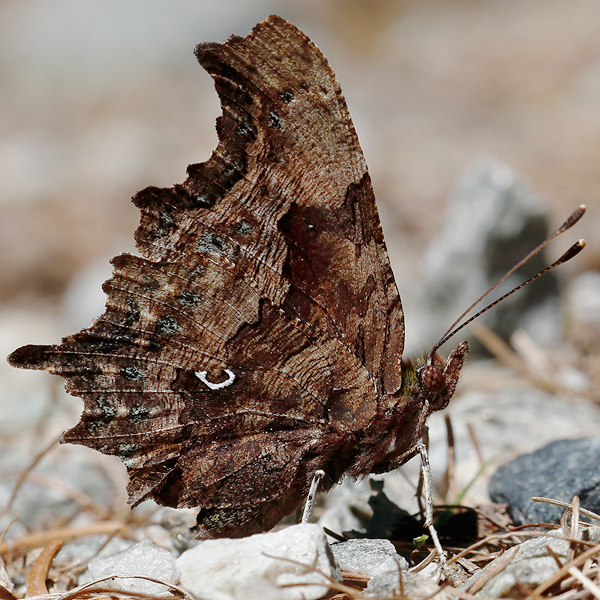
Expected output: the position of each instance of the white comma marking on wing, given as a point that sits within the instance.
(201, 375)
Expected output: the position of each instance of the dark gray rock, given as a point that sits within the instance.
(493, 220)
(559, 470)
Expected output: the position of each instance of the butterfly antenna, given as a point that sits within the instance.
(573, 251)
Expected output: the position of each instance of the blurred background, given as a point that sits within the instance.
(101, 99)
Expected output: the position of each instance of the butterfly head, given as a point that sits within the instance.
(437, 378)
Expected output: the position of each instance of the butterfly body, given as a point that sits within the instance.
(259, 336)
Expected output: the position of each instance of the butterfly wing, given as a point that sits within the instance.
(287, 197)
(261, 330)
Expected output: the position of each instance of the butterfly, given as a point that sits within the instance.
(258, 338)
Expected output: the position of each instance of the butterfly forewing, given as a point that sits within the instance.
(286, 196)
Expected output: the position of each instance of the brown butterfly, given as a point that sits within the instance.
(259, 337)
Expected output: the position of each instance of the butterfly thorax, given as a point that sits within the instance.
(428, 384)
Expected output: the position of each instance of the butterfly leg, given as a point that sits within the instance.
(312, 492)
(393, 462)
(428, 489)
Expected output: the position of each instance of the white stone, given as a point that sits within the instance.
(144, 558)
(252, 568)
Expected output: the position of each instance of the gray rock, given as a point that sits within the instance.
(376, 558)
(559, 470)
(388, 570)
(532, 564)
(493, 220)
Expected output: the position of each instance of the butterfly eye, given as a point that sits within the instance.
(432, 378)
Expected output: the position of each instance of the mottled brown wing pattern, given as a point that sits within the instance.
(261, 330)
(286, 196)
(136, 370)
